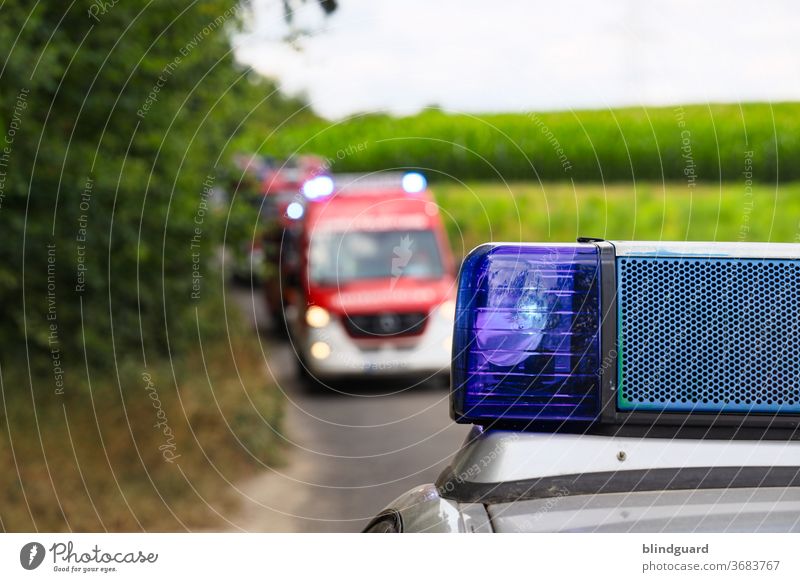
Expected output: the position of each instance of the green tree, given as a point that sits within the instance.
(115, 124)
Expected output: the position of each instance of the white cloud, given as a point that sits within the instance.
(476, 56)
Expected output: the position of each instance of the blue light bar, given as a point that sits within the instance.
(527, 344)
(318, 187)
(414, 182)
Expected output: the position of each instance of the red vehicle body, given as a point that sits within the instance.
(270, 187)
(370, 282)
(280, 186)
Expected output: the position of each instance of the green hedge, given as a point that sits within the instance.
(689, 143)
(109, 149)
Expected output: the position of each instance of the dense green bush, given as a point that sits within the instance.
(691, 143)
(114, 119)
(128, 401)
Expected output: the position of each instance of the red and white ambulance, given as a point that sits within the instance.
(374, 291)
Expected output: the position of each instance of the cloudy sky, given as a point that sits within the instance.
(517, 55)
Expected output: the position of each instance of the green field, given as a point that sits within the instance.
(708, 143)
(479, 212)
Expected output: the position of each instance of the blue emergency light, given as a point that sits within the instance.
(598, 333)
(323, 186)
(526, 342)
(413, 182)
(318, 187)
(295, 210)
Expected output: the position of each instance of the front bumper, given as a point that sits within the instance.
(426, 354)
(423, 510)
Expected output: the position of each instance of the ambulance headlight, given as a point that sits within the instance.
(317, 316)
(320, 350)
(526, 343)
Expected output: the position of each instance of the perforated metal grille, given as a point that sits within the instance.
(709, 335)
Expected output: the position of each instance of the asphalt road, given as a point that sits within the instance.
(349, 454)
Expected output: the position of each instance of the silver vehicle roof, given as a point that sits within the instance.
(500, 466)
(748, 510)
(533, 482)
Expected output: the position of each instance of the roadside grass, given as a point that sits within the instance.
(550, 212)
(93, 459)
